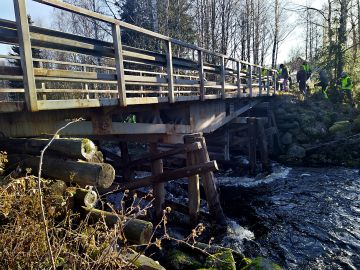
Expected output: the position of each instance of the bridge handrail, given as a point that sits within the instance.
(107, 19)
(192, 76)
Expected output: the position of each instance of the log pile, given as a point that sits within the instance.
(84, 201)
(71, 160)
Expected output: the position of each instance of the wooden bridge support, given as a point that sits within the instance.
(256, 134)
(208, 180)
(193, 186)
(159, 188)
(251, 122)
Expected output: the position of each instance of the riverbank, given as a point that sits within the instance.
(317, 132)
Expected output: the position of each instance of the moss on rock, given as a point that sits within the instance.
(261, 263)
(179, 260)
(356, 124)
(340, 127)
(223, 260)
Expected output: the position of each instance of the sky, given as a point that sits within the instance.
(41, 13)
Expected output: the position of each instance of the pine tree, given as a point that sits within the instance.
(139, 14)
(171, 18)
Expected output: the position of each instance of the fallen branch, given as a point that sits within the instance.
(41, 194)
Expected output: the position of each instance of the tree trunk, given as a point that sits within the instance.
(83, 173)
(72, 148)
(135, 230)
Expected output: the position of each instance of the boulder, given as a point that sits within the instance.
(261, 263)
(223, 260)
(340, 127)
(179, 260)
(302, 138)
(280, 111)
(287, 139)
(288, 125)
(296, 151)
(356, 124)
(316, 130)
(144, 263)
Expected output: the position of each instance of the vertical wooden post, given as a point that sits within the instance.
(201, 74)
(158, 189)
(208, 181)
(119, 60)
(193, 189)
(268, 83)
(227, 144)
(251, 122)
(125, 158)
(86, 85)
(250, 81)
(260, 82)
(263, 146)
(275, 82)
(141, 86)
(170, 71)
(43, 86)
(222, 71)
(238, 81)
(26, 58)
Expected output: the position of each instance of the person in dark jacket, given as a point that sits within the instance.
(284, 74)
(324, 82)
(301, 78)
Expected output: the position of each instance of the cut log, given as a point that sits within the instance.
(82, 197)
(170, 175)
(72, 148)
(97, 157)
(136, 231)
(83, 173)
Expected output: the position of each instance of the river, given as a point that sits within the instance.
(302, 218)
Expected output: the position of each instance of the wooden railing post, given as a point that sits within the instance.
(119, 60)
(275, 82)
(170, 71)
(26, 58)
(86, 86)
(222, 77)
(201, 74)
(250, 80)
(268, 82)
(238, 82)
(260, 81)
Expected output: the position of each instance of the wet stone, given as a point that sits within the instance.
(296, 151)
(287, 139)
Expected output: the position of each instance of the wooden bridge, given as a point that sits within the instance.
(178, 88)
(124, 93)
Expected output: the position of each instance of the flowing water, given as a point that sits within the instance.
(302, 218)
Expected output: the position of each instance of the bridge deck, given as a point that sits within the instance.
(73, 71)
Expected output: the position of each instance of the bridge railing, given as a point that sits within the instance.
(62, 71)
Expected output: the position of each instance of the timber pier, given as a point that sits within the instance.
(176, 95)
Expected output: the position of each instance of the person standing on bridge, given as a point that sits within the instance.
(284, 75)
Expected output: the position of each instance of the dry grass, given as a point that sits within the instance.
(76, 243)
